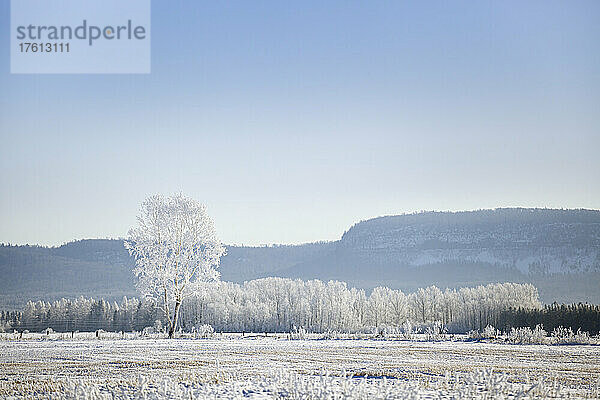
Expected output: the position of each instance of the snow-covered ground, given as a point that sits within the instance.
(232, 366)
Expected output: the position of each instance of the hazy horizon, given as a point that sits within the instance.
(316, 240)
(291, 122)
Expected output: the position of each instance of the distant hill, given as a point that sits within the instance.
(530, 240)
(95, 267)
(557, 250)
(103, 268)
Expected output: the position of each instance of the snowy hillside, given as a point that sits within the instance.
(530, 240)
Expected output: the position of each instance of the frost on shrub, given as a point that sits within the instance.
(436, 331)
(390, 331)
(147, 331)
(298, 333)
(408, 330)
(527, 336)
(381, 332)
(474, 335)
(562, 335)
(204, 331)
(151, 330)
(490, 332)
(582, 337)
(158, 327)
(332, 335)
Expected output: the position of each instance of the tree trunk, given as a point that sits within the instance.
(175, 318)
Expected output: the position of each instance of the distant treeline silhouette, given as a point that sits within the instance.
(575, 316)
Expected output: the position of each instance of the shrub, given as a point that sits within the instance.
(562, 335)
(490, 332)
(527, 336)
(474, 335)
(435, 331)
(147, 331)
(205, 331)
(158, 327)
(408, 330)
(298, 333)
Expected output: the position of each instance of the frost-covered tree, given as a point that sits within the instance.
(176, 247)
(280, 304)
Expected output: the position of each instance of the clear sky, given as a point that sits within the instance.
(294, 121)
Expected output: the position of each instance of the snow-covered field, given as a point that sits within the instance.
(231, 366)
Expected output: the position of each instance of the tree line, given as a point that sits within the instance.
(575, 316)
(282, 305)
(82, 314)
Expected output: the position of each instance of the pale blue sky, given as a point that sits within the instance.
(292, 122)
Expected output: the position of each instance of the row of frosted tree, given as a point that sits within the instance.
(82, 314)
(281, 305)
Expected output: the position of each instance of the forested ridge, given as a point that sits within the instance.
(558, 251)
